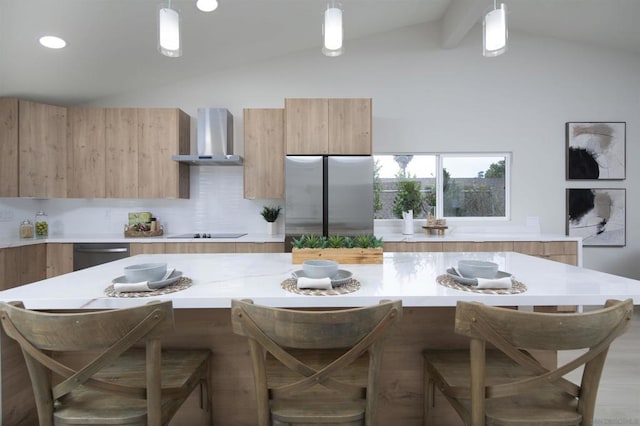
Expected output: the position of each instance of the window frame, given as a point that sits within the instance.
(440, 156)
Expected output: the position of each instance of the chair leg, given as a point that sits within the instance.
(429, 395)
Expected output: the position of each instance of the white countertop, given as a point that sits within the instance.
(119, 238)
(218, 278)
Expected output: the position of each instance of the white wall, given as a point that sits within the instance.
(426, 99)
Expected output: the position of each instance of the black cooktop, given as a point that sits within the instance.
(210, 235)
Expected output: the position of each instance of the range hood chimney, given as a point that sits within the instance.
(215, 140)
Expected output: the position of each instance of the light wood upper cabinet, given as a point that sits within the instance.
(328, 126)
(86, 153)
(8, 147)
(306, 126)
(126, 153)
(121, 147)
(42, 140)
(163, 133)
(263, 153)
(350, 126)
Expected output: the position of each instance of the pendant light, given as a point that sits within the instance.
(494, 34)
(332, 30)
(169, 31)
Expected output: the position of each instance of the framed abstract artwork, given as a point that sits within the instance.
(596, 150)
(598, 215)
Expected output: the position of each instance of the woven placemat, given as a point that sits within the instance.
(516, 286)
(181, 284)
(290, 285)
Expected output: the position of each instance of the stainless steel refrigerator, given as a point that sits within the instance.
(328, 195)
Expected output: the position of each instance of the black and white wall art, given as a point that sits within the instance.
(596, 150)
(598, 215)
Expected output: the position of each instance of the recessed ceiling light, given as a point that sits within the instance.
(52, 42)
(207, 5)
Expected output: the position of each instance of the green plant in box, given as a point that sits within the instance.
(335, 241)
(367, 241)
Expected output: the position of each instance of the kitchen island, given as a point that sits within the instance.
(203, 316)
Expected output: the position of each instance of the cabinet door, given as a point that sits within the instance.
(263, 153)
(86, 147)
(477, 246)
(121, 141)
(59, 259)
(163, 133)
(146, 248)
(306, 126)
(259, 247)
(560, 251)
(200, 247)
(43, 150)
(350, 126)
(8, 147)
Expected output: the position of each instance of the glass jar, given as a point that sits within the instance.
(26, 229)
(42, 227)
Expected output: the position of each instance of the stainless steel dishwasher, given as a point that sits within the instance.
(92, 254)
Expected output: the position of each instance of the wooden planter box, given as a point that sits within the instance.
(340, 255)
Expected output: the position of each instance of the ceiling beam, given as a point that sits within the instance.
(458, 19)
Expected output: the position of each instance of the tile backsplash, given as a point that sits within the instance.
(216, 205)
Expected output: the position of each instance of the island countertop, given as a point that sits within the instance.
(411, 277)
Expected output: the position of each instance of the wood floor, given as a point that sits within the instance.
(618, 400)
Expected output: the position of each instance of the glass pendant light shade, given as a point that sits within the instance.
(169, 32)
(494, 34)
(332, 30)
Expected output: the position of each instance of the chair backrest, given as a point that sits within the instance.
(286, 333)
(106, 333)
(515, 332)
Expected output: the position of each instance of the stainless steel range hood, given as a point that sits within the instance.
(215, 140)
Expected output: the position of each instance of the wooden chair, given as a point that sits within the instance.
(308, 365)
(119, 384)
(506, 385)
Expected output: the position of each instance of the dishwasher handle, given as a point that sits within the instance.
(102, 250)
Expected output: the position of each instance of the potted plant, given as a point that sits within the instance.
(270, 214)
(342, 249)
(408, 200)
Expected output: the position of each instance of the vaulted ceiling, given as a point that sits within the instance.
(112, 43)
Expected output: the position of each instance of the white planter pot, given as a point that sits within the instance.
(407, 222)
(272, 228)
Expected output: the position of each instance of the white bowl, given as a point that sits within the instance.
(477, 268)
(145, 272)
(320, 268)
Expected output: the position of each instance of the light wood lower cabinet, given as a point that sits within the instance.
(259, 247)
(22, 265)
(144, 248)
(560, 251)
(59, 259)
(477, 246)
(159, 248)
(412, 246)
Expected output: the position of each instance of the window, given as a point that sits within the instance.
(450, 185)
